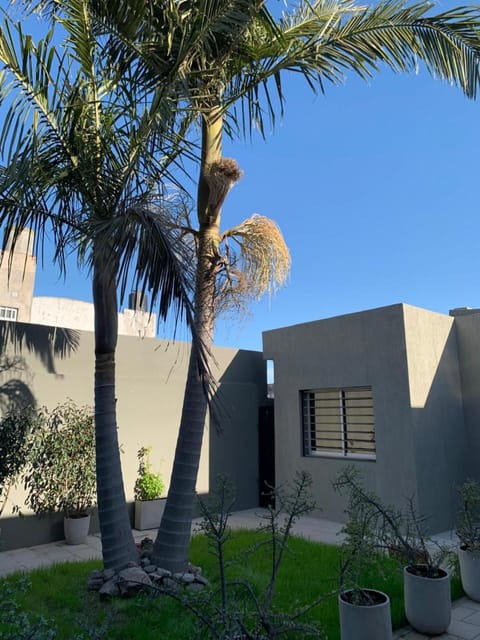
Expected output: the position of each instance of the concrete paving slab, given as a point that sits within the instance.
(470, 604)
(463, 630)
(35, 563)
(85, 553)
(463, 613)
(474, 618)
(409, 634)
(59, 555)
(9, 566)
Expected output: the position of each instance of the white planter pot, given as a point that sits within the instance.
(470, 572)
(427, 602)
(76, 529)
(148, 513)
(365, 622)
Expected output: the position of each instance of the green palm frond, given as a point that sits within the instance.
(142, 234)
(28, 87)
(77, 148)
(147, 244)
(205, 51)
(325, 40)
(182, 47)
(80, 39)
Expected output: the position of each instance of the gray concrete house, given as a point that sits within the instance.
(392, 391)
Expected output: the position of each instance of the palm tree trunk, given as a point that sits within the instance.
(172, 544)
(118, 547)
(173, 539)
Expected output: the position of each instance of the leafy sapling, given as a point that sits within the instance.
(362, 535)
(148, 485)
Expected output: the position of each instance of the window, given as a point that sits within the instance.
(8, 313)
(338, 422)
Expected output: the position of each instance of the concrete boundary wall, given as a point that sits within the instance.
(151, 377)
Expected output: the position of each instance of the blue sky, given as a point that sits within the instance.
(374, 187)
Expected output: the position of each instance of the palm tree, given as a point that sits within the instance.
(225, 61)
(82, 162)
(322, 41)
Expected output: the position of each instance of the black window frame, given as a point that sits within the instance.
(339, 422)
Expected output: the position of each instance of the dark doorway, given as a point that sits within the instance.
(266, 454)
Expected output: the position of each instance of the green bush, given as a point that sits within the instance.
(61, 472)
(149, 485)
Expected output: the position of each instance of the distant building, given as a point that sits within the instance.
(17, 279)
(17, 303)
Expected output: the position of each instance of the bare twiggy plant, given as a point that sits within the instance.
(236, 609)
(374, 528)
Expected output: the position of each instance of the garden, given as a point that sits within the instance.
(257, 584)
(104, 113)
(309, 570)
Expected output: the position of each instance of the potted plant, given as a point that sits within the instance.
(426, 584)
(60, 476)
(148, 491)
(364, 612)
(401, 534)
(468, 532)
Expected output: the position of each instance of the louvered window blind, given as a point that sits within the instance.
(339, 422)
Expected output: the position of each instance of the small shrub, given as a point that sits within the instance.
(149, 485)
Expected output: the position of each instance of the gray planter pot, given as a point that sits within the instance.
(76, 529)
(427, 602)
(470, 572)
(148, 513)
(365, 622)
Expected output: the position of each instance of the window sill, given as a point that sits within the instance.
(341, 456)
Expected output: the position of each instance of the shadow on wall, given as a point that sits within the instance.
(440, 441)
(47, 343)
(233, 433)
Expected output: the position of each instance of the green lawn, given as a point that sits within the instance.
(309, 570)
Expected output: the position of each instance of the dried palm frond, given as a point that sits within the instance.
(220, 177)
(260, 265)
